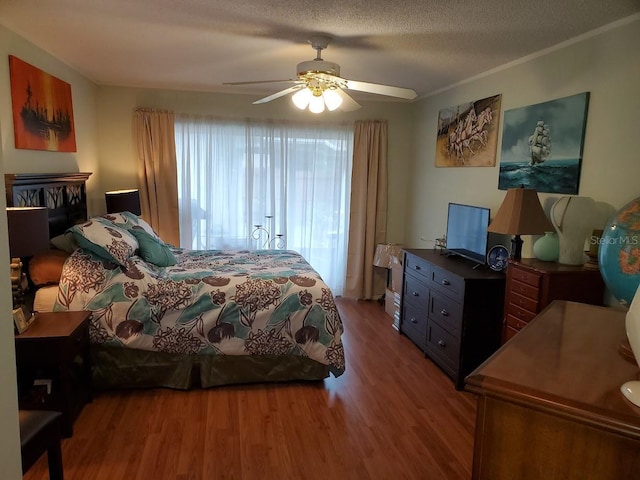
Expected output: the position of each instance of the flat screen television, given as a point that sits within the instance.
(467, 234)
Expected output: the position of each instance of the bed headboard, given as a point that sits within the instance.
(64, 194)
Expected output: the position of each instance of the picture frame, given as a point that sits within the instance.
(20, 321)
(42, 109)
(542, 145)
(468, 134)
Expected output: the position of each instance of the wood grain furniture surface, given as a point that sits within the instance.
(55, 348)
(533, 284)
(549, 401)
(451, 310)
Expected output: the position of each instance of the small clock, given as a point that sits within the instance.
(498, 258)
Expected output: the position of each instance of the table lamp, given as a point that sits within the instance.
(520, 214)
(123, 201)
(28, 234)
(384, 255)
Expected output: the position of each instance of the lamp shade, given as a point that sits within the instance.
(521, 214)
(385, 253)
(28, 230)
(123, 201)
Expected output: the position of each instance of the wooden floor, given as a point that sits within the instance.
(392, 415)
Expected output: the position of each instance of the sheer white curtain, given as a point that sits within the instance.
(293, 179)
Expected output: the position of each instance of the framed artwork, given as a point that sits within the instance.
(542, 145)
(468, 134)
(42, 109)
(20, 321)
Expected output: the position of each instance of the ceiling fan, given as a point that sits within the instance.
(318, 84)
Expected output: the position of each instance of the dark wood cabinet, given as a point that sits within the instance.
(533, 284)
(54, 352)
(451, 310)
(549, 401)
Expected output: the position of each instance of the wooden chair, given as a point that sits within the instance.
(40, 431)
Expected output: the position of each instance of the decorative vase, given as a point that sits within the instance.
(572, 218)
(547, 248)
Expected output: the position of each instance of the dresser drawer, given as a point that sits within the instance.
(416, 266)
(416, 293)
(446, 282)
(414, 324)
(524, 276)
(515, 323)
(527, 303)
(443, 348)
(524, 289)
(520, 313)
(446, 312)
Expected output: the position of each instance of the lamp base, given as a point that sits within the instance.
(631, 391)
(516, 248)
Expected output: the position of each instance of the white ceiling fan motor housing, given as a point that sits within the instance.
(318, 66)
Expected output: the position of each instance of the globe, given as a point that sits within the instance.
(619, 253)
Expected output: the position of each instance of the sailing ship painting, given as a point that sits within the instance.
(528, 155)
(42, 109)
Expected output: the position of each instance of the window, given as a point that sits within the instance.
(293, 179)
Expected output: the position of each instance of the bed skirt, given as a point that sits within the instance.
(114, 367)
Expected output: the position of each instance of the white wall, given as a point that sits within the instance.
(606, 64)
(117, 150)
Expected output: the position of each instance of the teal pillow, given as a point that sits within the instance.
(152, 249)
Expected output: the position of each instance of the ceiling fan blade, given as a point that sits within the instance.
(259, 81)
(348, 103)
(376, 88)
(279, 94)
(387, 90)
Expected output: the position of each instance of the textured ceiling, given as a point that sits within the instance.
(426, 45)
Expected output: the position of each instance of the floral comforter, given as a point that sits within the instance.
(260, 302)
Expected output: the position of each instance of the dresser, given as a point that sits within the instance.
(533, 284)
(549, 401)
(451, 310)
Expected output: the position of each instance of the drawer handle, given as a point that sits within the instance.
(413, 320)
(444, 313)
(417, 267)
(442, 343)
(445, 282)
(415, 294)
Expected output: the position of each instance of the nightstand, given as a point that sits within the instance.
(54, 366)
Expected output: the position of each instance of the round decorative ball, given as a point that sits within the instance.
(547, 247)
(619, 254)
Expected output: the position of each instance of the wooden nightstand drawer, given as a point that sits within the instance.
(445, 282)
(525, 276)
(527, 303)
(446, 312)
(416, 266)
(516, 323)
(521, 313)
(524, 289)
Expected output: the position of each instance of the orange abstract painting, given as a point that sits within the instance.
(42, 109)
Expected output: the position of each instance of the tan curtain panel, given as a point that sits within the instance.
(157, 172)
(368, 217)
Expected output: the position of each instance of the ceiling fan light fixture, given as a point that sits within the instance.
(316, 104)
(301, 98)
(331, 99)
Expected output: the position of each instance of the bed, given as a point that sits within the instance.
(165, 316)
